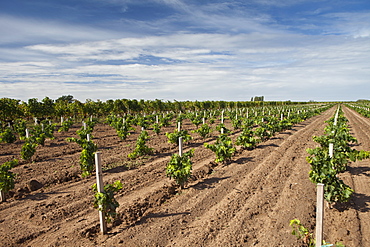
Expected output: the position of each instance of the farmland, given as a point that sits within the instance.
(248, 201)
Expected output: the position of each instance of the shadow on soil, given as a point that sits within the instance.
(359, 202)
(362, 202)
(362, 170)
(162, 215)
(145, 218)
(40, 196)
(267, 145)
(243, 160)
(208, 183)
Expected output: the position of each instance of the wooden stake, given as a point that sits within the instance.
(319, 214)
(2, 196)
(99, 183)
(331, 150)
(180, 146)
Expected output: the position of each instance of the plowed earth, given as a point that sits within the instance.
(248, 202)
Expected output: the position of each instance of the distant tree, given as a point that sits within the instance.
(65, 98)
(9, 110)
(47, 107)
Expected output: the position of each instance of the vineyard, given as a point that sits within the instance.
(183, 175)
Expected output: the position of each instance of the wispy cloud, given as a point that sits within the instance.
(225, 50)
(15, 30)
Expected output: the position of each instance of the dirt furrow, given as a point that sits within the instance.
(41, 215)
(248, 202)
(360, 174)
(238, 191)
(203, 193)
(256, 219)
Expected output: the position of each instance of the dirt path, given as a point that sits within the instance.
(246, 203)
(360, 174)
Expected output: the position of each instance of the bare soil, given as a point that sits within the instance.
(248, 202)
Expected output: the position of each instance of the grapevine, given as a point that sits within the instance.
(141, 148)
(28, 150)
(105, 201)
(6, 176)
(246, 139)
(20, 128)
(324, 168)
(204, 131)
(66, 125)
(7, 136)
(87, 159)
(156, 128)
(179, 167)
(174, 137)
(223, 148)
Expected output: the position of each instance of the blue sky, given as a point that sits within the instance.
(296, 50)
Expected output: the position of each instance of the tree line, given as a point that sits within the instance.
(68, 106)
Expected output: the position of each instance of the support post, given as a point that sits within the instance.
(99, 183)
(180, 146)
(331, 150)
(319, 214)
(2, 196)
(179, 126)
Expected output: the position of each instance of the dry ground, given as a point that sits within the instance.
(246, 203)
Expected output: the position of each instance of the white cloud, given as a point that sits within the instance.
(88, 62)
(353, 24)
(207, 67)
(31, 30)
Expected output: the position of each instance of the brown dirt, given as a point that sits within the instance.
(246, 203)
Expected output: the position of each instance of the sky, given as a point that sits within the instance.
(297, 50)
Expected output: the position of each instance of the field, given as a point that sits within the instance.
(248, 202)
